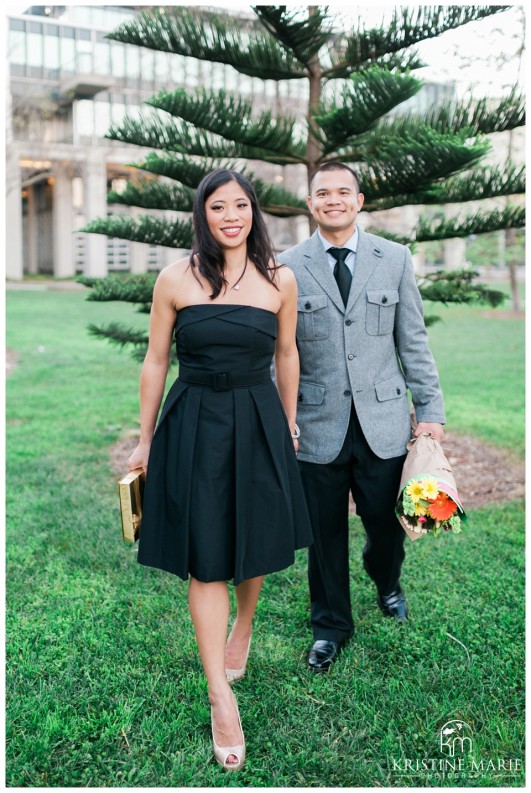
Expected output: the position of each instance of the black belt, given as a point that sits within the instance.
(223, 381)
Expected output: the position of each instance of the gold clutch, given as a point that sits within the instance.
(131, 488)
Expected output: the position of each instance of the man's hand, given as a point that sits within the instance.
(435, 430)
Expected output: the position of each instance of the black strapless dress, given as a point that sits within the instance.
(223, 497)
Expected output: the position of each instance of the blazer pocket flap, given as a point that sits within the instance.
(392, 388)
(383, 297)
(311, 394)
(309, 303)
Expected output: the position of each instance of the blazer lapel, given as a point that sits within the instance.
(367, 257)
(316, 262)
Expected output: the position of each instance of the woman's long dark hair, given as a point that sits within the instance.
(207, 254)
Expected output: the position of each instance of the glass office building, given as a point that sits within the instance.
(68, 84)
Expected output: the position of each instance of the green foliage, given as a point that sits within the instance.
(103, 683)
(133, 288)
(153, 131)
(364, 99)
(122, 336)
(478, 223)
(208, 36)
(478, 183)
(478, 116)
(399, 166)
(457, 286)
(484, 250)
(181, 168)
(145, 228)
(409, 26)
(303, 37)
(230, 118)
(403, 159)
(274, 199)
(154, 194)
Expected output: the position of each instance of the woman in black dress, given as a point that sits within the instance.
(223, 499)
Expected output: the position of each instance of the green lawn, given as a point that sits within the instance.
(482, 367)
(104, 685)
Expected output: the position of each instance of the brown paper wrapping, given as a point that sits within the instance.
(425, 457)
(131, 488)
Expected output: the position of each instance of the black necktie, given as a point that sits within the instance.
(342, 273)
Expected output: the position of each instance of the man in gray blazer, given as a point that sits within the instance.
(362, 344)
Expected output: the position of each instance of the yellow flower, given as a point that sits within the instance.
(415, 491)
(420, 509)
(430, 488)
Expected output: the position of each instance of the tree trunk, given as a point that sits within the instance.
(313, 148)
(510, 237)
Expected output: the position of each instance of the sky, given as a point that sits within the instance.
(472, 57)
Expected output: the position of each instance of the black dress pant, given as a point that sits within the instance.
(374, 484)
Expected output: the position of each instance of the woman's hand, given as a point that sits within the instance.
(139, 458)
(296, 445)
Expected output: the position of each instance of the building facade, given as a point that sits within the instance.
(67, 85)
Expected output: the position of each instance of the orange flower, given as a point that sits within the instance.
(442, 507)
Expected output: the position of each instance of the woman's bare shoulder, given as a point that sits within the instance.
(175, 271)
(284, 277)
(170, 281)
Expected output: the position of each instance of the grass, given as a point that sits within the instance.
(104, 684)
(481, 362)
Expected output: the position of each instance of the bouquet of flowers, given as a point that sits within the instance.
(427, 500)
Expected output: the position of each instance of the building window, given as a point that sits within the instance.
(192, 72)
(35, 53)
(117, 59)
(102, 53)
(84, 119)
(84, 51)
(147, 68)
(68, 51)
(102, 113)
(161, 67)
(132, 56)
(52, 61)
(17, 47)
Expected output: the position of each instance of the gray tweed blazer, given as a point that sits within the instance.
(371, 351)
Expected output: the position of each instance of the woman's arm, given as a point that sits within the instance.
(155, 367)
(286, 353)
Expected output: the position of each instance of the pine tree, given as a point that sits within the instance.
(356, 80)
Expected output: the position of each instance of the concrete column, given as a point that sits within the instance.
(137, 250)
(63, 249)
(455, 247)
(419, 262)
(454, 253)
(32, 233)
(14, 253)
(95, 200)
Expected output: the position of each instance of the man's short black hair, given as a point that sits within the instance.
(335, 166)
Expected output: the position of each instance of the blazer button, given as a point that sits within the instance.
(348, 322)
(398, 391)
(347, 393)
(307, 306)
(384, 299)
(301, 398)
(350, 357)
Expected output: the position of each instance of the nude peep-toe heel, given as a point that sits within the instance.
(236, 674)
(222, 753)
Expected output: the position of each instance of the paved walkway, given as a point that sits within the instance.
(44, 285)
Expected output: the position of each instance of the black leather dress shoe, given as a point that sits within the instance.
(394, 605)
(324, 653)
